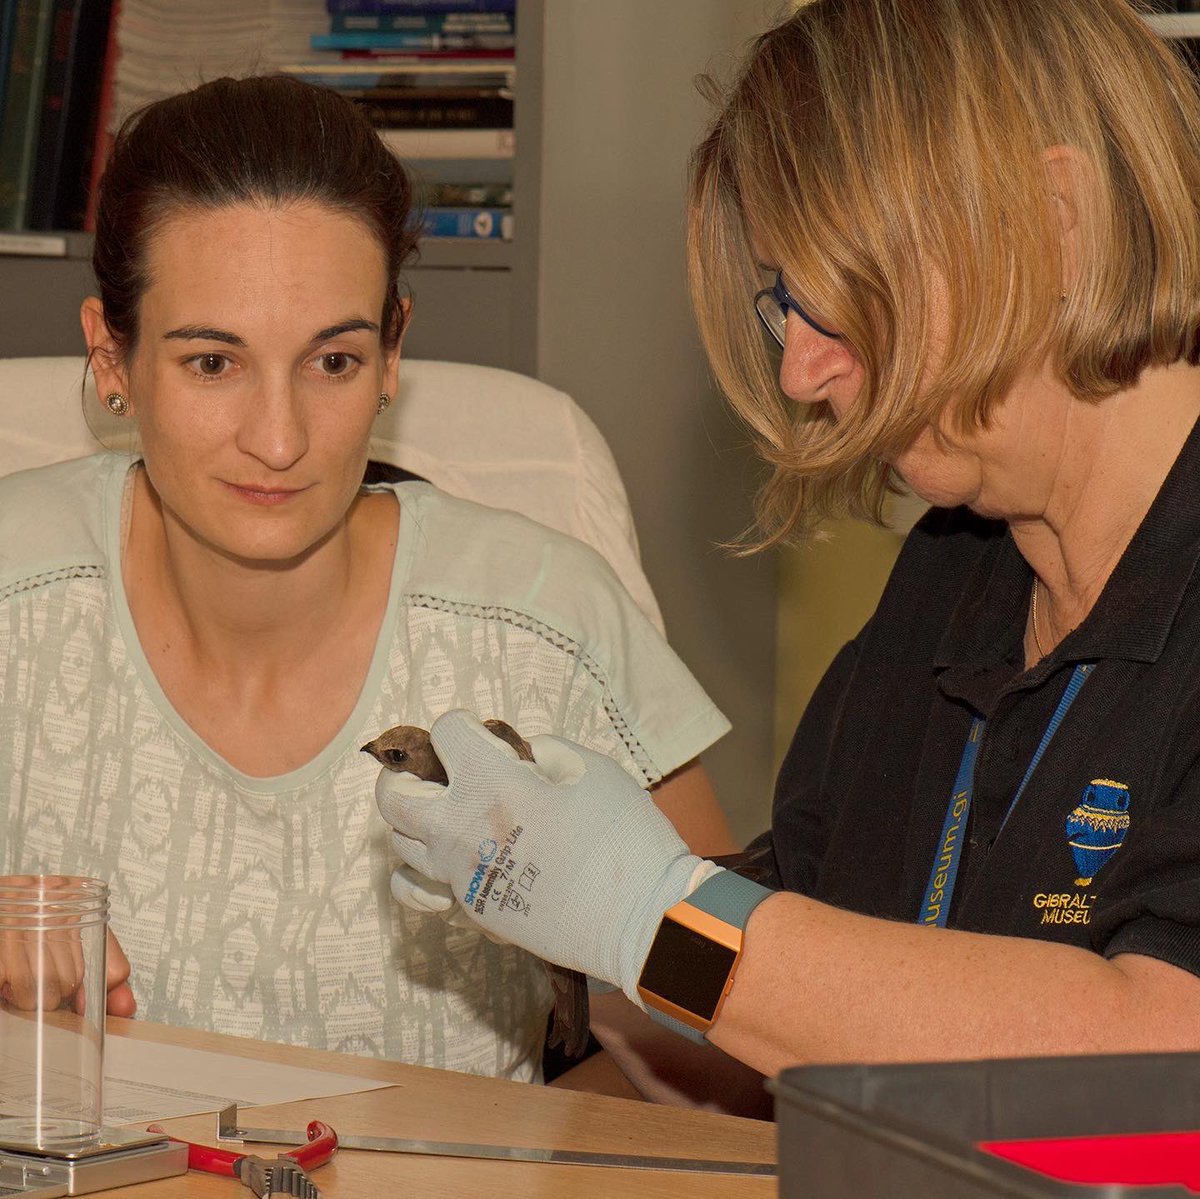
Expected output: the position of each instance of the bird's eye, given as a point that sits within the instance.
(395, 757)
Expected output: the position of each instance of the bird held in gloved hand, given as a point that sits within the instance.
(408, 749)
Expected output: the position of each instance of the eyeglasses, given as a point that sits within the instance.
(773, 304)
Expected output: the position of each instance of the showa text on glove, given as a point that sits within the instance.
(487, 855)
(494, 861)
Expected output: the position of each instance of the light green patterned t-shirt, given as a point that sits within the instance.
(260, 907)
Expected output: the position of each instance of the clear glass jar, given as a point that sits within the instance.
(52, 998)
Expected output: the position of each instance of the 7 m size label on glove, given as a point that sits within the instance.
(497, 874)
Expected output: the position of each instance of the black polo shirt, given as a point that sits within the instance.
(1103, 848)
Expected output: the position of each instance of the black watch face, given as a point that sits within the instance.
(687, 969)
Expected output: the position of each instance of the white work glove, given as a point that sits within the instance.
(431, 898)
(416, 891)
(566, 856)
(427, 896)
(413, 889)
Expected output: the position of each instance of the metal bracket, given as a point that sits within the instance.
(228, 1129)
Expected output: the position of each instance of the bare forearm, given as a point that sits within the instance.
(598, 1074)
(819, 984)
(687, 799)
(666, 1068)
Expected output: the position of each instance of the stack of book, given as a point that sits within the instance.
(436, 78)
(160, 47)
(72, 70)
(52, 55)
(167, 46)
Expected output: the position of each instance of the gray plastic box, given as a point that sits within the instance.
(909, 1131)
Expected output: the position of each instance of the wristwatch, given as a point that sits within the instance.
(694, 954)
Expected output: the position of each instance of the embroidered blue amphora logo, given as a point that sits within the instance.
(1096, 828)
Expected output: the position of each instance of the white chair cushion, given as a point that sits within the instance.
(487, 435)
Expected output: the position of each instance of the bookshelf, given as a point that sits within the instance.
(42, 285)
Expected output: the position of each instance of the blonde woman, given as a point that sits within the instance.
(978, 225)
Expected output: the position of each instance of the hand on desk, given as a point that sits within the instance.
(565, 856)
(121, 1001)
(61, 975)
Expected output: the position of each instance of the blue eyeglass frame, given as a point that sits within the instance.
(786, 301)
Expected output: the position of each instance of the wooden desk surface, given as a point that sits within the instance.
(440, 1105)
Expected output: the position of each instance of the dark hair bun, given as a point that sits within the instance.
(266, 138)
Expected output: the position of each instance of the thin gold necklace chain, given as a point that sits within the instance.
(1033, 619)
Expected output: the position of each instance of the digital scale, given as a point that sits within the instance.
(117, 1157)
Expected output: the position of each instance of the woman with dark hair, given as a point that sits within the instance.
(196, 640)
(971, 229)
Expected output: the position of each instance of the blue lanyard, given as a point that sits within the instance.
(935, 907)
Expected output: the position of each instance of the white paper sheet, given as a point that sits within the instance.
(144, 1081)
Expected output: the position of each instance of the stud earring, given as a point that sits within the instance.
(384, 401)
(116, 403)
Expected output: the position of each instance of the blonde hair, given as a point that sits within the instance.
(880, 151)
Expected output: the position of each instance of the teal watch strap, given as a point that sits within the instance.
(677, 1026)
(729, 898)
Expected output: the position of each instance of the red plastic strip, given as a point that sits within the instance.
(322, 1145)
(204, 1157)
(1142, 1159)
